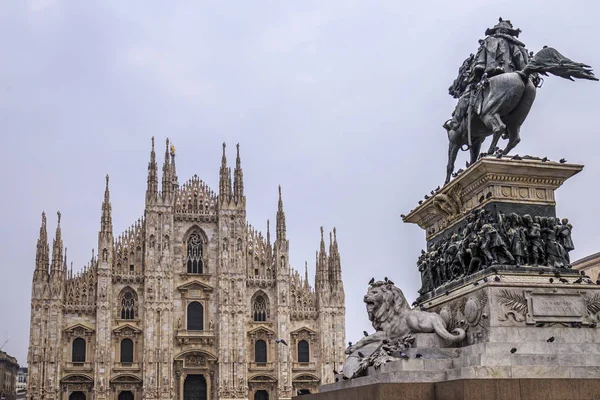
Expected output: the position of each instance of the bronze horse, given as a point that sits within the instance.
(502, 104)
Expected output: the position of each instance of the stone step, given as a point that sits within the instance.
(564, 359)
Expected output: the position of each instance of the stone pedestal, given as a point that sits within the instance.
(502, 184)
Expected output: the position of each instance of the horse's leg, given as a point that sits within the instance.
(475, 150)
(495, 124)
(513, 138)
(452, 153)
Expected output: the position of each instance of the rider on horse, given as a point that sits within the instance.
(498, 53)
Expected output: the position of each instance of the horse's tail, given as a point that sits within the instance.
(549, 60)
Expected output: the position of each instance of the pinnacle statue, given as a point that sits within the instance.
(496, 88)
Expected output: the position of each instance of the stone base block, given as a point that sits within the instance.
(470, 389)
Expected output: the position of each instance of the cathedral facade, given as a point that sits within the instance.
(191, 302)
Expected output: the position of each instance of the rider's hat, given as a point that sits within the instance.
(503, 26)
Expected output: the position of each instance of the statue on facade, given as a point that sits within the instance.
(496, 88)
(394, 321)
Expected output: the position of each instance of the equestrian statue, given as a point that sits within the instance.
(496, 88)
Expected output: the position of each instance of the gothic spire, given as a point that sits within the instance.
(106, 219)
(173, 170)
(238, 178)
(335, 266)
(306, 284)
(42, 257)
(224, 178)
(322, 269)
(57, 249)
(152, 188)
(268, 234)
(280, 219)
(167, 184)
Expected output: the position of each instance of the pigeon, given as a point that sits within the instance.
(557, 274)
(513, 350)
(481, 199)
(494, 270)
(390, 282)
(563, 280)
(499, 155)
(432, 192)
(540, 324)
(544, 159)
(385, 278)
(516, 157)
(414, 304)
(562, 160)
(281, 341)
(475, 283)
(418, 355)
(460, 171)
(372, 281)
(404, 355)
(447, 292)
(485, 279)
(583, 273)
(361, 355)
(402, 216)
(420, 202)
(437, 188)
(487, 196)
(426, 197)
(365, 333)
(349, 344)
(496, 279)
(541, 272)
(593, 325)
(467, 164)
(454, 174)
(551, 280)
(421, 307)
(550, 339)
(578, 280)
(335, 372)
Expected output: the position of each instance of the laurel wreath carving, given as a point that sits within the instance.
(593, 303)
(512, 300)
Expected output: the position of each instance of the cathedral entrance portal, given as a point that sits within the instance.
(77, 396)
(261, 395)
(126, 395)
(194, 387)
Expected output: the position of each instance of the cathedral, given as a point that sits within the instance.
(190, 302)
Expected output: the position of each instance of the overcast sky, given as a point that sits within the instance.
(340, 102)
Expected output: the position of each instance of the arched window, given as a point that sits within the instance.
(194, 254)
(195, 317)
(260, 351)
(303, 352)
(126, 351)
(78, 353)
(127, 304)
(259, 309)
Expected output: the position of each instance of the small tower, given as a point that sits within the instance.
(42, 256)
(167, 176)
(238, 181)
(224, 180)
(152, 187)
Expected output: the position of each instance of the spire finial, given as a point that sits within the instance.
(322, 234)
(224, 145)
(58, 213)
(107, 181)
(334, 235)
(152, 143)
